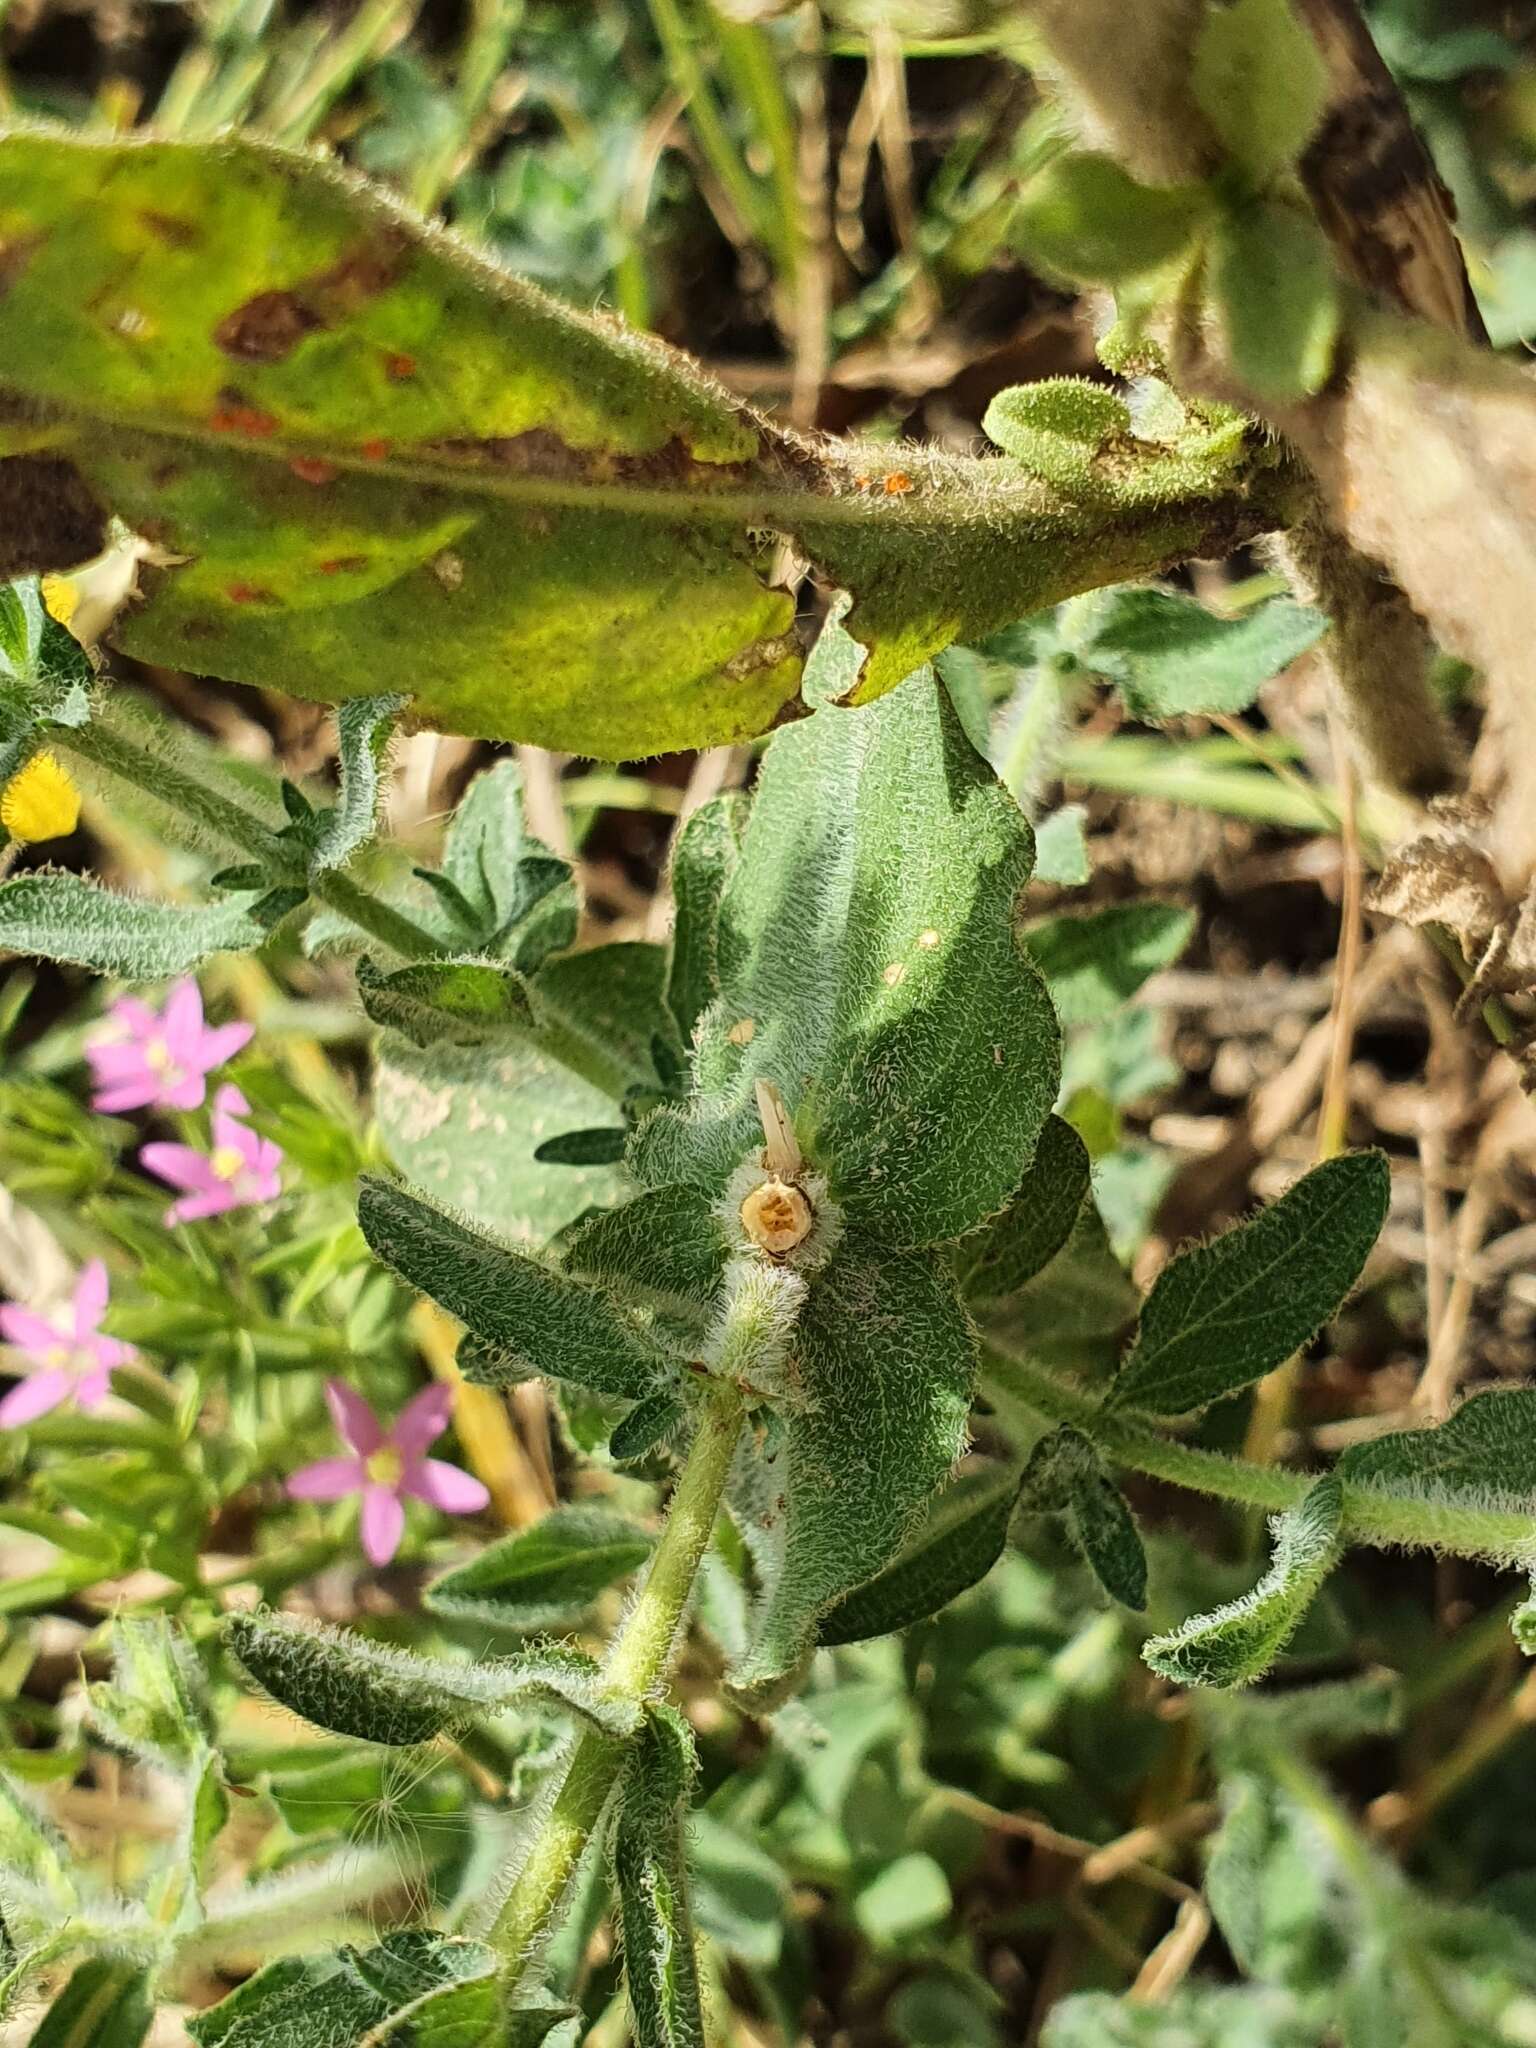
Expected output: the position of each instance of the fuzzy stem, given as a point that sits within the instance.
(1370, 1516)
(241, 831)
(637, 1662)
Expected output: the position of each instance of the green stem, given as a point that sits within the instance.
(240, 831)
(1370, 1516)
(637, 1662)
(719, 150)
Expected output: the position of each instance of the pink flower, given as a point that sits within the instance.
(65, 1354)
(239, 1173)
(145, 1057)
(387, 1464)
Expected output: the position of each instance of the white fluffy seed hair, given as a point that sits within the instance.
(825, 1232)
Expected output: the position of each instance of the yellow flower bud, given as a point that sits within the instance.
(39, 802)
(60, 598)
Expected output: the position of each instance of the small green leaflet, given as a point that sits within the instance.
(1483, 1455)
(665, 1245)
(1223, 1314)
(541, 1321)
(1096, 960)
(1169, 657)
(1059, 428)
(1237, 1643)
(64, 917)
(105, 2004)
(457, 1003)
(650, 1870)
(954, 1549)
(704, 857)
(1066, 1476)
(363, 725)
(543, 1575)
(1084, 218)
(1006, 1253)
(1278, 300)
(413, 1990)
(1261, 83)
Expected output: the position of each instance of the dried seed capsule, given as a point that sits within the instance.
(777, 1217)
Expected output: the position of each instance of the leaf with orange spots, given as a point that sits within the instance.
(375, 463)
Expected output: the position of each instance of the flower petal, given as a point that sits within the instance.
(90, 1301)
(29, 1331)
(35, 1397)
(230, 1102)
(222, 1043)
(93, 1387)
(181, 1166)
(383, 1523)
(423, 1419)
(327, 1479)
(137, 1093)
(182, 1020)
(187, 1092)
(116, 1060)
(446, 1488)
(355, 1421)
(208, 1202)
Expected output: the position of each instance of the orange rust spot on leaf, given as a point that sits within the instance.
(374, 450)
(249, 593)
(399, 367)
(898, 484)
(314, 469)
(233, 416)
(342, 565)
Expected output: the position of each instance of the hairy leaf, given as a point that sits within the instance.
(64, 917)
(1237, 1643)
(870, 971)
(1278, 300)
(883, 1359)
(704, 857)
(543, 1321)
(1096, 960)
(953, 1550)
(542, 1575)
(388, 465)
(1066, 1476)
(646, 1425)
(1483, 1455)
(1223, 1314)
(414, 1989)
(1260, 82)
(650, 1868)
(362, 728)
(666, 1243)
(1085, 218)
(457, 1003)
(1169, 657)
(1007, 1253)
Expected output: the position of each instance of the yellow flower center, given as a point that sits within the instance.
(57, 1354)
(39, 802)
(157, 1056)
(227, 1161)
(385, 1466)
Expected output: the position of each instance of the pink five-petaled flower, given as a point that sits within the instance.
(239, 1173)
(145, 1057)
(387, 1464)
(66, 1353)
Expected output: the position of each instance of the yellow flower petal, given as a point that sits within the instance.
(40, 802)
(60, 598)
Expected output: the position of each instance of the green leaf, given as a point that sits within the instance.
(363, 727)
(457, 1003)
(1061, 429)
(414, 1990)
(1483, 1455)
(908, 1897)
(64, 917)
(1086, 219)
(44, 673)
(1019, 1242)
(1278, 301)
(870, 971)
(105, 2004)
(384, 464)
(705, 855)
(1169, 657)
(650, 1870)
(953, 1550)
(1241, 1869)
(740, 1894)
(521, 896)
(544, 1575)
(1096, 960)
(1066, 1476)
(344, 1682)
(1237, 1643)
(666, 1246)
(1061, 851)
(584, 1148)
(469, 1128)
(156, 1706)
(1223, 1314)
(884, 1360)
(1261, 82)
(646, 1425)
(541, 1321)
